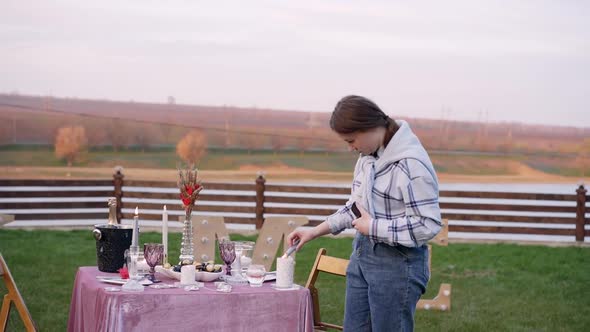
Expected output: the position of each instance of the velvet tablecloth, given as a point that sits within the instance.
(244, 309)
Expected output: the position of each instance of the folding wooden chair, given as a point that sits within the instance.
(326, 264)
(13, 296)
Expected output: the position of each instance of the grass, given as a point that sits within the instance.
(496, 287)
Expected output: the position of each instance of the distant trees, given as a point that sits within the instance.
(192, 147)
(70, 142)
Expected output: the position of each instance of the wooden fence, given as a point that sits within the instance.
(250, 203)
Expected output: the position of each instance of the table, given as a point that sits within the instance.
(244, 309)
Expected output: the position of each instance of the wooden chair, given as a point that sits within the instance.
(13, 296)
(326, 264)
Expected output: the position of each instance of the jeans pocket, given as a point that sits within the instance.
(401, 251)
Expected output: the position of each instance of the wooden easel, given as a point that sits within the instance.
(13, 296)
(442, 301)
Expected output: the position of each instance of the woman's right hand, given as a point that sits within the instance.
(304, 235)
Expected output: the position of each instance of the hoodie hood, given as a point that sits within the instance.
(404, 145)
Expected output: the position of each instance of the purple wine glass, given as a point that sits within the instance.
(153, 253)
(227, 251)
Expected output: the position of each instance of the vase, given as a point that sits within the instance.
(187, 255)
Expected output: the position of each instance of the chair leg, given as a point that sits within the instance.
(4, 312)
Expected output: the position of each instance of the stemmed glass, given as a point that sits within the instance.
(153, 253)
(227, 251)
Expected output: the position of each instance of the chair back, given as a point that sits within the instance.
(326, 264)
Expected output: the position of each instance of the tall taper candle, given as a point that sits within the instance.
(165, 234)
(135, 238)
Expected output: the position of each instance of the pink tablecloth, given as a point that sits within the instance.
(244, 309)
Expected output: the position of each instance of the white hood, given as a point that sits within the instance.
(404, 145)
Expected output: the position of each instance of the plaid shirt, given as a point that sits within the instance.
(403, 191)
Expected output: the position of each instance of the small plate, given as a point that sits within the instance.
(112, 289)
(270, 276)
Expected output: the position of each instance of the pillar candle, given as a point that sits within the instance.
(187, 275)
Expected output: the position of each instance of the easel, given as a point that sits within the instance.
(13, 296)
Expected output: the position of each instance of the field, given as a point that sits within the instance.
(243, 165)
(495, 287)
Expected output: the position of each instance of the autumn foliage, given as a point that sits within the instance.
(192, 147)
(70, 142)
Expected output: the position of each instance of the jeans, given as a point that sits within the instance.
(383, 286)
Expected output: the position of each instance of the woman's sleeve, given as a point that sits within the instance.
(422, 220)
(342, 219)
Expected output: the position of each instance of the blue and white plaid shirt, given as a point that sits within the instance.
(400, 191)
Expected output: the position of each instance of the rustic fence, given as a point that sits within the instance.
(83, 202)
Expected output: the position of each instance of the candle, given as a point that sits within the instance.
(285, 272)
(135, 238)
(187, 275)
(165, 233)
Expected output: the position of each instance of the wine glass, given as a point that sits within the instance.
(227, 251)
(153, 253)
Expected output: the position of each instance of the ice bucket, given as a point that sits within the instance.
(111, 243)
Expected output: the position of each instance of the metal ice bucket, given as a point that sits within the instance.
(111, 243)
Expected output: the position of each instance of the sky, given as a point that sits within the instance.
(496, 61)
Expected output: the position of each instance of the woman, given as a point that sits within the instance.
(396, 191)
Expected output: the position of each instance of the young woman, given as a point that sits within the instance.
(396, 191)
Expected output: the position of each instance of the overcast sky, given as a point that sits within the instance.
(524, 61)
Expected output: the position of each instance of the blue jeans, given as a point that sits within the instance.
(383, 286)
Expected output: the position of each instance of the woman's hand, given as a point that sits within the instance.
(304, 235)
(363, 223)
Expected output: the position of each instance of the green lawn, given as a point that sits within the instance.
(496, 287)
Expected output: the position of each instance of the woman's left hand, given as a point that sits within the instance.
(363, 223)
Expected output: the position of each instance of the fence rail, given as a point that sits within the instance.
(249, 203)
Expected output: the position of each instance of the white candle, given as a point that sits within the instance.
(285, 272)
(135, 235)
(187, 275)
(165, 233)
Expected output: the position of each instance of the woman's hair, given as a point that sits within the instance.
(356, 113)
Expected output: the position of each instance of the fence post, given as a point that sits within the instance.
(580, 213)
(118, 184)
(260, 181)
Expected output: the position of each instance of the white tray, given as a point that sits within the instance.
(199, 276)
